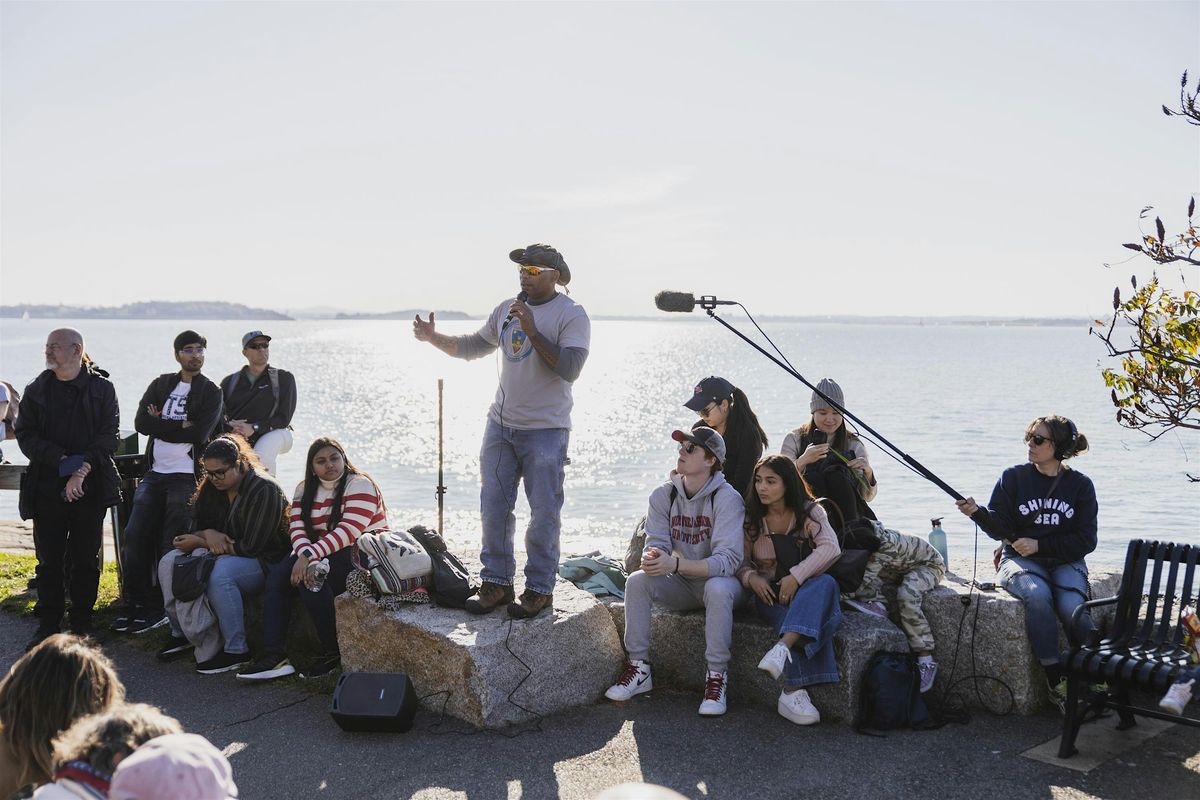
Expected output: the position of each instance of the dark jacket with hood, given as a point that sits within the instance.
(64, 418)
(203, 411)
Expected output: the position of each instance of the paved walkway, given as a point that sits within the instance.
(283, 745)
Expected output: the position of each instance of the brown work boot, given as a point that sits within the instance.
(489, 597)
(531, 604)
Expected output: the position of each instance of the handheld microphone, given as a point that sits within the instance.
(522, 297)
(686, 301)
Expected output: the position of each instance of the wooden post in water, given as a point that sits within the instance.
(441, 490)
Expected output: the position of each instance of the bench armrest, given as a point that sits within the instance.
(1094, 638)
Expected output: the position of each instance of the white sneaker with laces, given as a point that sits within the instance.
(775, 660)
(714, 704)
(797, 707)
(1177, 697)
(635, 679)
(928, 671)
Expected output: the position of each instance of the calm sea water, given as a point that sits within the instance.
(956, 398)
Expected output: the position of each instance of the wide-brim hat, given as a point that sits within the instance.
(543, 255)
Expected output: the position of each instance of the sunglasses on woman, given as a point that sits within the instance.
(533, 271)
(1037, 439)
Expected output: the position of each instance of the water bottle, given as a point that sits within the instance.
(315, 575)
(937, 538)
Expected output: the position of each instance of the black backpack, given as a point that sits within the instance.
(451, 580)
(891, 694)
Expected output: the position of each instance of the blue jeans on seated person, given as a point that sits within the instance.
(232, 578)
(277, 602)
(508, 456)
(815, 614)
(1047, 588)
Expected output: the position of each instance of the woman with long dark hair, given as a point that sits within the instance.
(1045, 514)
(332, 506)
(240, 515)
(833, 460)
(789, 544)
(726, 409)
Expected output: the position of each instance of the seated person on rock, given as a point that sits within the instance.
(240, 514)
(789, 544)
(1045, 514)
(693, 547)
(334, 503)
(914, 567)
(833, 460)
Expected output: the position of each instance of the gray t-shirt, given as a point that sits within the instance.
(531, 396)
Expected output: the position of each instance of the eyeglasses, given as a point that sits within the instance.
(708, 409)
(534, 271)
(688, 447)
(193, 351)
(258, 345)
(1037, 439)
(219, 474)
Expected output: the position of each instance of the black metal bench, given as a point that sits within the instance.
(1144, 649)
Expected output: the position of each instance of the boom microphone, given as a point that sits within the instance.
(522, 296)
(686, 301)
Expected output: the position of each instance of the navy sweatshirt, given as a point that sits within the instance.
(1023, 506)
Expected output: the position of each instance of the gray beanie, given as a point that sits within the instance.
(830, 389)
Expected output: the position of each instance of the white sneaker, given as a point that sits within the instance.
(714, 704)
(797, 707)
(635, 679)
(1177, 697)
(775, 659)
(928, 671)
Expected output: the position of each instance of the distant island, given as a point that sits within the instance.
(154, 309)
(406, 314)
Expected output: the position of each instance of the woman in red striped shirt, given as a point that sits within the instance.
(333, 505)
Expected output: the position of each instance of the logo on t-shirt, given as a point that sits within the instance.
(1049, 511)
(519, 346)
(691, 530)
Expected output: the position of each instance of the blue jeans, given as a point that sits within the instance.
(815, 614)
(509, 455)
(1047, 588)
(232, 577)
(277, 602)
(160, 513)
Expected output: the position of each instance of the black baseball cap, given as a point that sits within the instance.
(707, 438)
(710, 390)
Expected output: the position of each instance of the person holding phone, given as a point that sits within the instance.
(1045, 513)
(830, 458)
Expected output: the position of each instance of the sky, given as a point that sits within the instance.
(804, 158)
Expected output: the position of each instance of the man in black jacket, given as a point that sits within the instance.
(260, 401)
(178, 413)
(68, 428)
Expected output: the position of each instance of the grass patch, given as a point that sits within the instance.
(16, 569)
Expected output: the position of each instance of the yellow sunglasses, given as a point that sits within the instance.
(534, 271)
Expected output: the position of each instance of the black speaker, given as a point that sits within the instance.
(374, 701)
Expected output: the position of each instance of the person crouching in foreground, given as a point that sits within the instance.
(693, 548)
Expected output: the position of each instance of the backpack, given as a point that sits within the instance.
(14, 410)
(451, 580)
(890, 696)
(272, 375)
(396, 562)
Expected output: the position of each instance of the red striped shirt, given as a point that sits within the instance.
(362, 510)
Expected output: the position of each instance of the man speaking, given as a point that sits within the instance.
(543, 337)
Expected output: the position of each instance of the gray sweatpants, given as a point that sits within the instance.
(717, 596)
